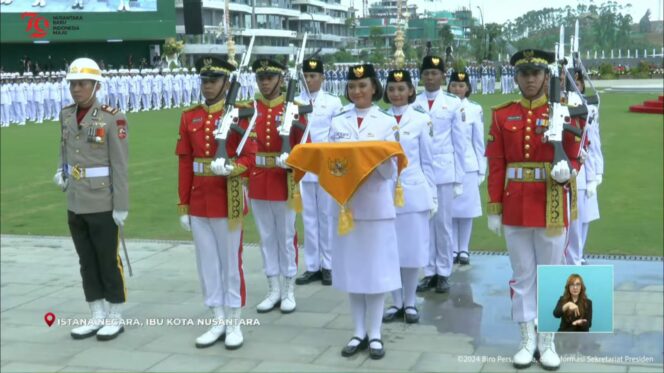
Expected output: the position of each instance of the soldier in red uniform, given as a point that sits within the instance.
(212, 202)
(529, 197)
(272, 188)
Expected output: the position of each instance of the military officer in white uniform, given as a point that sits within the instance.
(177, 87)
(146, 89)
(168, 89)
(135, 90)
(5, 101)
(157, 87)
(419, 189)
(468, 205)
(449, 148)
(365, 262)
(315, 200)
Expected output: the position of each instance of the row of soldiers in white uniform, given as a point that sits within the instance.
(38, 98)
(32, 98)
(150, 89)
(484, 77)
(155, 89)
(335, 79)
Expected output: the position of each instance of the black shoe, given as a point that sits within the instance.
(410, 317)
(349, 351)
(308, 277)
(456, 258)
(376, 353)
(427, 282)
(463, 259)
(327, 276)
(442, 286)
(394, 315)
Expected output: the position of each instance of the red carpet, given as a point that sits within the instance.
(650, 106)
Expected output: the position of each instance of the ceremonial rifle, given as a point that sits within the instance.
(232, 114)
(292, 110)
(560, 115)
(577, 64)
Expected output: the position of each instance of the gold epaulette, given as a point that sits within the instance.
(244, 104)
(506, 104)
(192, 108)
(109, 109)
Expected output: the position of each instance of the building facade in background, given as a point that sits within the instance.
(277, 24)
(379, 28)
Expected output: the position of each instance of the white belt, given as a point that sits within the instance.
(199, 167)
(517, 173)
(78, 172)
(266, 161)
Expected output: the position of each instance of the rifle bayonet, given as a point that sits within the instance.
(232, 114)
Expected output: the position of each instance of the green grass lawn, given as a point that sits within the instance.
(630, 197)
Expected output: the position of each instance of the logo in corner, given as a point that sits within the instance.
(37, 25)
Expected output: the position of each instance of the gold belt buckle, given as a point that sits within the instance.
(77, 172)
(207, 171)
(270, 161)
(528, 174)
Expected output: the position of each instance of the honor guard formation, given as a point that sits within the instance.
(387, 196)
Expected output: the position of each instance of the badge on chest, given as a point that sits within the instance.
(96, 132)
(541, 125)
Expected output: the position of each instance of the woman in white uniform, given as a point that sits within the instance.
(365, 261)
(420, 194)
(468, 205)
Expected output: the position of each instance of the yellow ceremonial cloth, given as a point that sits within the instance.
(342, 167)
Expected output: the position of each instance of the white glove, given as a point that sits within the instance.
(185, 222)
(58, 179)
(119, 217)
(598, 178)
(434, 209)
(481, 179)
(583, 155)
(458, 190)
(220, 167)
(561, 172)
(496, 224)
(591, 188)
(281, 160)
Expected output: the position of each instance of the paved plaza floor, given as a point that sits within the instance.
(467, 330)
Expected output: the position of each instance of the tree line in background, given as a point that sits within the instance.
(602, 27)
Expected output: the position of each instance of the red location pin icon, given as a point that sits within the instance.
(49, 317)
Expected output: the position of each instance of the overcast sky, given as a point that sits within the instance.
(500, 11)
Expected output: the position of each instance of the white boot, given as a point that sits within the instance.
(524, 357)
(216, 332)
(273, 297)
(288, 295)
(94, 323)
(234, 338)
(549, 359)
(114, 323)
(36, 3)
